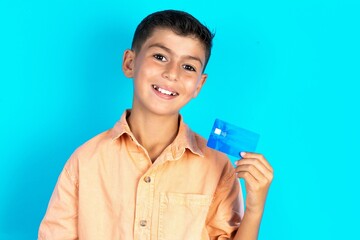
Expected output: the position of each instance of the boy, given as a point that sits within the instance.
(150, 176)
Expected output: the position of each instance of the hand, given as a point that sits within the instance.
(258, 174)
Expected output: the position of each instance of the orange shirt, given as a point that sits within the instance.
(110, 189)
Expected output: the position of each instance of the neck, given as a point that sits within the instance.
(152, 131)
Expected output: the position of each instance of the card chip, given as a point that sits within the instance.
(217, 131)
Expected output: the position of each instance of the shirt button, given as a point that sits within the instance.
(147, 179)
(143, 223)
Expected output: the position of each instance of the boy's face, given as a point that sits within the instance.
(167, 72)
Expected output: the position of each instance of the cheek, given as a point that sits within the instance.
(194, 82)
(192, 86)
(147, 68)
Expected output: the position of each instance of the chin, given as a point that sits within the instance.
(162, 110)
(165, 112)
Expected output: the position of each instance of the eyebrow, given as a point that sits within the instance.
(159, 45)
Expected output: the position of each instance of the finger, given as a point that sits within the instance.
(257, 164)
(257, 156)
(248, 177)
(254, 172)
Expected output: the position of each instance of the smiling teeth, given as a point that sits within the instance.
(164, 91)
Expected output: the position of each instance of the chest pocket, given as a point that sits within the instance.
(182, 216)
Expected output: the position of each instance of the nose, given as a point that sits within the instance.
(171, 72)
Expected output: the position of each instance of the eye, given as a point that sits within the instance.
(160, 57)
(189, 68)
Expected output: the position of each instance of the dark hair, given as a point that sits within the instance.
(179, 22)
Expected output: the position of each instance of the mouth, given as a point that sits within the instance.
(164, 91)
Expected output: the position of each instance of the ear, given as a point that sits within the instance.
(128, 63)
(200, 84)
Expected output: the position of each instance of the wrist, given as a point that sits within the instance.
(255, 214)
(249, 226)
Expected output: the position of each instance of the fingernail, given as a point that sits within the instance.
(236, 162)
(243, 154)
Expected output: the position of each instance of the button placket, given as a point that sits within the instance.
(144, 204)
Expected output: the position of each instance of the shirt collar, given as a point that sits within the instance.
(185, 139)
(121, 127)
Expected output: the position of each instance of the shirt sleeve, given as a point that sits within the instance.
(227, 208)
(60, 221)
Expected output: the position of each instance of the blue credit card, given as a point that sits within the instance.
(232, 140)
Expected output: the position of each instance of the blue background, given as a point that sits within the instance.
(288, 70)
